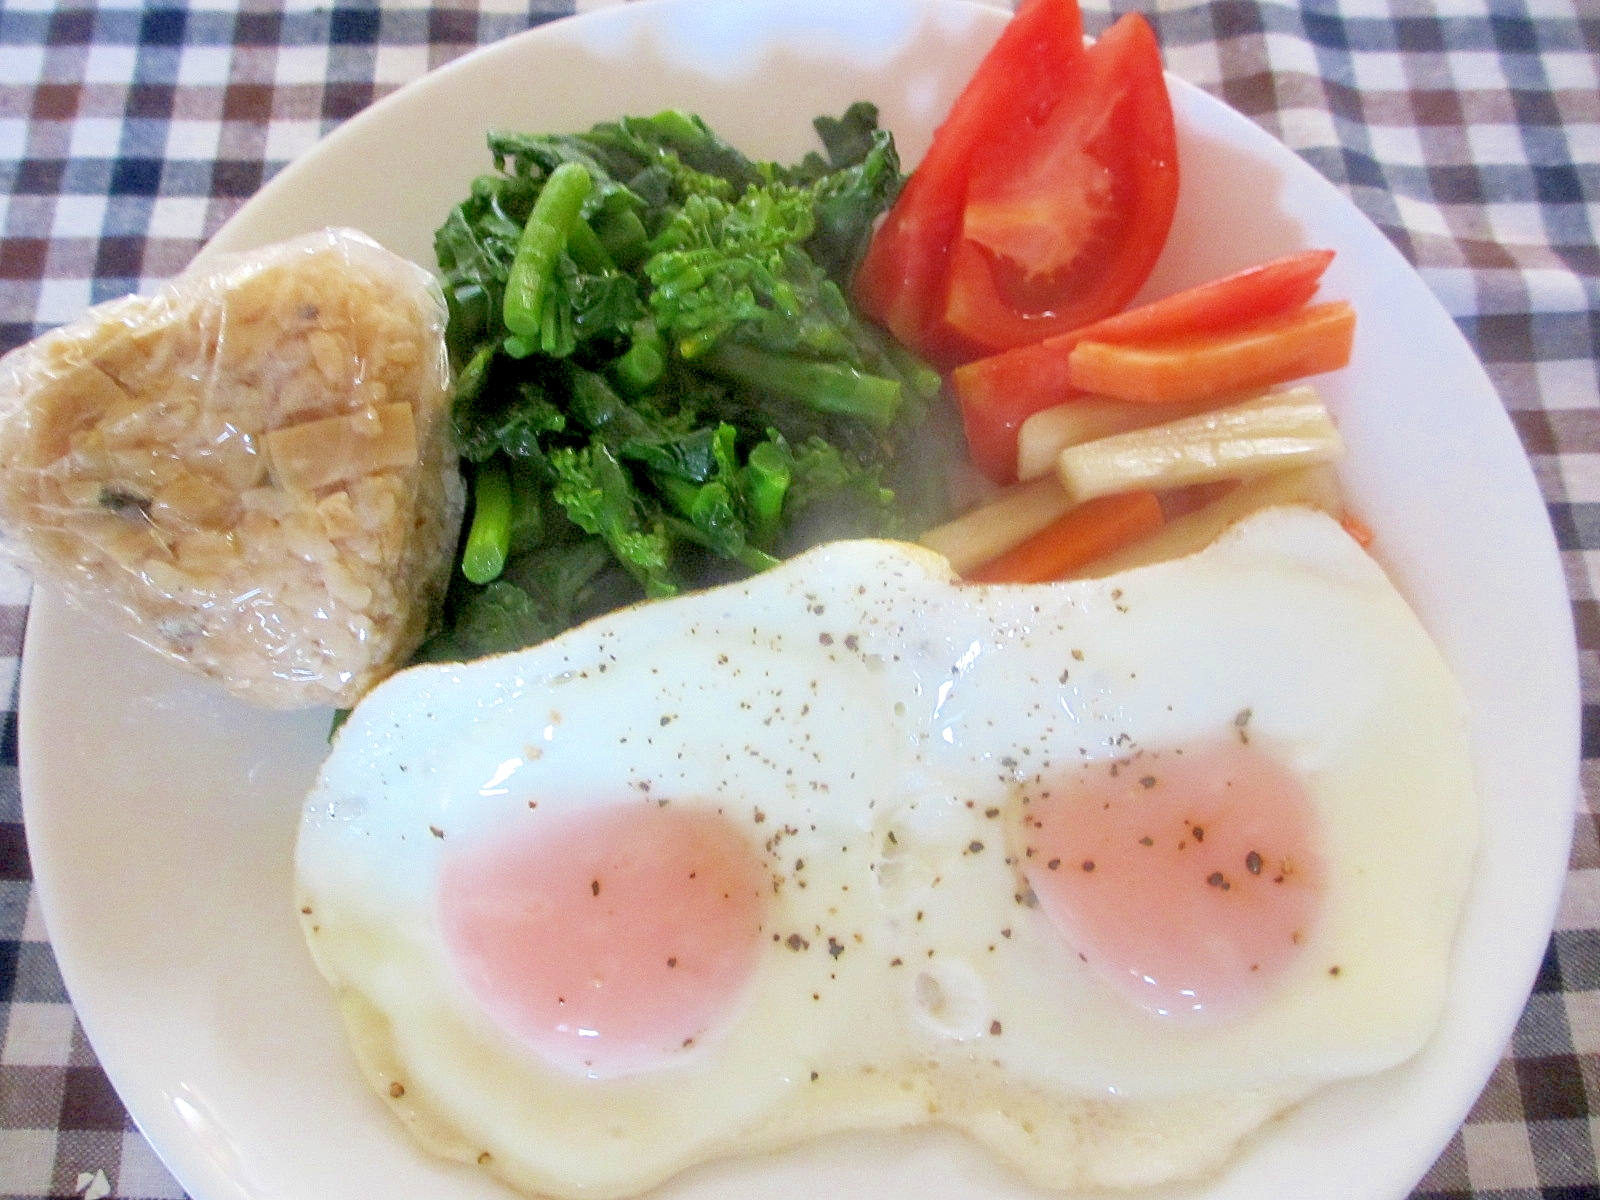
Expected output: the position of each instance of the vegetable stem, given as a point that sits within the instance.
(830, 387)
(623, 236)
(752, 558)
(489, 538)
(543, 238)
(470, 383)
(587, 250)
(640, 367)
(769, 474)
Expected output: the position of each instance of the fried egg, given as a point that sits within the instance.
(1104, 874)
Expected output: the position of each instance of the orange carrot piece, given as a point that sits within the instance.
(1309, 341)
(1091, 530)
(1243, 298)
(997, 394)
(1358, 529)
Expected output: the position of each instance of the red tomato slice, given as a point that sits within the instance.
(997, 394)
(1065, 219)
(900, 282)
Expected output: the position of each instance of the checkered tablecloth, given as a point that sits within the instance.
(1468, 130)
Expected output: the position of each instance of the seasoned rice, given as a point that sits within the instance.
(251, 471)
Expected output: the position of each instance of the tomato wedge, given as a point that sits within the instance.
(1044, 199)
(998, 393)
(901, 279)
(1064, 220)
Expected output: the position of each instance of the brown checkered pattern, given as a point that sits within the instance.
(1468, 130)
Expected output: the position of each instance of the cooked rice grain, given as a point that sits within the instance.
(251, 470)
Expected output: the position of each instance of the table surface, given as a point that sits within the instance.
(1468, 130)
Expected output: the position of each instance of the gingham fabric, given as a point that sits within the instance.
(1468, 130)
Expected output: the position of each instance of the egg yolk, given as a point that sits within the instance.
(610, 940)
(1188, 879)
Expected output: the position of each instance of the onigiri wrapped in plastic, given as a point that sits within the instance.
(252, 471)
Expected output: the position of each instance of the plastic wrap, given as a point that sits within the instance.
(251, 471)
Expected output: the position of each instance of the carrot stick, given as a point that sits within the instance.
(1075, 539)
(1358, 529)
(988, 531)
(1312, 340)
(1243, 298)
(997, 394)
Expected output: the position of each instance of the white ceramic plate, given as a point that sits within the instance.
(161, 815)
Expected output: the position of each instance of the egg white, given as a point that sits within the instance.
(870, 723)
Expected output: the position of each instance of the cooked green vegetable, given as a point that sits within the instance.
(489, 536)
(529, 308)
(661, 382)
(830, 387)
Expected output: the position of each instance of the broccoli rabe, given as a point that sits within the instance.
(660, 380)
